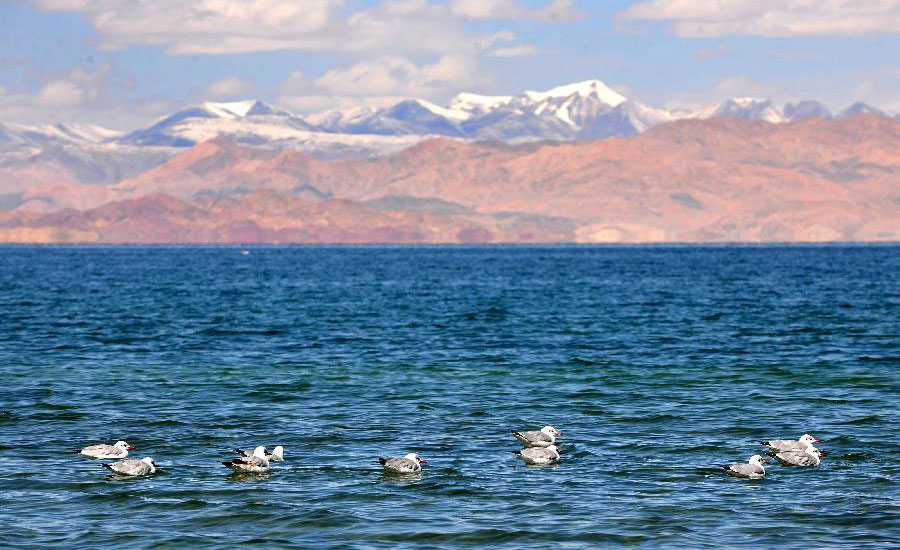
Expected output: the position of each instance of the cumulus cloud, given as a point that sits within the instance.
(378, 82)
(204, 26)
(230, 88)
(79, 87)
(558, 10)
(397, 27)
(690, 18)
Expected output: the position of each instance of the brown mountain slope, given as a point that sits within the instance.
(273, 217)
(695, 180)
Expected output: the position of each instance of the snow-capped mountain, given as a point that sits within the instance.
(19, 134)
(578, 111)
(245, 121)
(256, 123)
(742, 107)
(584, 110)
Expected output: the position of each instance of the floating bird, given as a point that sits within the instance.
(808, 457)
(257, 463)
(118, 450)
(409, 464)
(277, 455)
(133, 467)
(801, 444)
(544, 437)
(753, 469)
(538, 456)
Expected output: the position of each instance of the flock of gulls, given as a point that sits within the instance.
(538, 449)
(788, 452)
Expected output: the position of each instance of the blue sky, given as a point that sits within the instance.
(123, 63)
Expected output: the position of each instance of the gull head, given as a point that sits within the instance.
(758, 460)
(122, 445)
(149, 462)
(417, 458)
(550, 430)
(259, 452)
(278, 452)
(809, 440)
(554, 450)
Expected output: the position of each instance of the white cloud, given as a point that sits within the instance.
(204, 26)
(520, 50)
(79, 87)
(558, 10)
(230, 88)
(690, 18)
(188, 27)
(378, 82)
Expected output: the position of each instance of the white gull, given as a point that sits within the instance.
(544, 437)
(409, 464)
(808, 457)
(801, 444)
(257, 463)
(118, 450)
(753, 469)
(133, 467)
(538, 456)
(277, 454)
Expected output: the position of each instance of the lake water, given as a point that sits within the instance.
(657, 363)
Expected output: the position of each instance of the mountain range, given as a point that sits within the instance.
(576, 163)
(579, 111)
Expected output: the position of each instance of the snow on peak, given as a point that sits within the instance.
(451, 113)
(746, 101)
(466, 101)
(583, 89)
(235, 109)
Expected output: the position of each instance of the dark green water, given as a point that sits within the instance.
(658, 363)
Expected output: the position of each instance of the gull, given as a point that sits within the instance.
(133, 467)
(808, 457)
(544, 437)
(753, 469)
(801, 444)
(409, 464)
(257, 463)
(277, 455)
(537, 456)
(118, 450)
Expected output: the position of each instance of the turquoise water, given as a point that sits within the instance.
(657, 363)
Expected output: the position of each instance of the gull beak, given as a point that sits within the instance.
(423, 461)
(819, 440)
(131, 447)
(557, 433)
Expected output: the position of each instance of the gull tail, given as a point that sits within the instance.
(107, 466)
(382, 461)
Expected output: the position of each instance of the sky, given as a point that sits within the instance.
(125, 63)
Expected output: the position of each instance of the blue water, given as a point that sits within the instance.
(657, 363)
